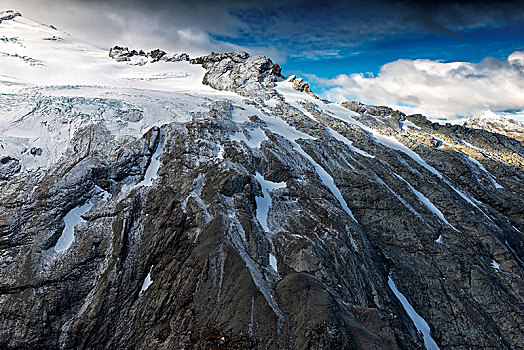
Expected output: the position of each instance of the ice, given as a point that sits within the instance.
(151, 171)
(61, 60)
(264, 202)
(101, 193)
(488, 174)
(419, 322)
(254, 137)
(256, 274)
(439, 239)
(491, 121)
(273, 262)
(470, 145)
(72, 218)
(33, 96)
(393, 143)
(154, 165)
(388, 141)
(275, 124)
(406, 204)
(471, 159)
(147, 282)
(495, 265)
(349, 143)
(271, 102)
(326, 180)
(195, 193)
(280, 127)
(424, 200)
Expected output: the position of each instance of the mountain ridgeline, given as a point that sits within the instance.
(157, 201)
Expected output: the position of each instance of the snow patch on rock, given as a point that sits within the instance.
(147, 282)
(264, 201)
(420, 323)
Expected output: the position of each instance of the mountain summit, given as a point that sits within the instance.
(154, 200)
(494, 123)
(8, 14)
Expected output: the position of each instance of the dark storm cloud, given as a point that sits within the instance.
(446, 17)
(317, 26)
(296, 28)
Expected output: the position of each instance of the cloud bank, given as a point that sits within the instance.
(436, 89)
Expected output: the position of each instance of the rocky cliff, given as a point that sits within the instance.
(148, 210)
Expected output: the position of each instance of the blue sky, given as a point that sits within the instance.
(468, 46)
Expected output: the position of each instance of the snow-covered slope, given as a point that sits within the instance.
(37, 54)
(209, 202)
(51, 84)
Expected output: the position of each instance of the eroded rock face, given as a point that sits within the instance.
(300, 85)
(239, 72)
(8, 167)
(264, 225)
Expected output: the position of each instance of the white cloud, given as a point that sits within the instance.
(517, 56)
(437, 89)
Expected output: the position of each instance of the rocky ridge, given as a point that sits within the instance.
(8, 15)
(123, 54)
(266, 219)
(491, 122)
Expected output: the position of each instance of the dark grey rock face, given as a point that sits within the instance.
(8, 167)
(286, 243)
(239, 72)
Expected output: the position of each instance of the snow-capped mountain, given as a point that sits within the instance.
(497, 124)
(155, 200)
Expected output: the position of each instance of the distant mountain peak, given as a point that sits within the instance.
(495, 123)
(8, 15)
(123, 54)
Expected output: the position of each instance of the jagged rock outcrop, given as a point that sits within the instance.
(300, 85)
(8, 15)
(123, 54)
(252, 218)
(382, 111)
(239, 72)
(231, 71)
